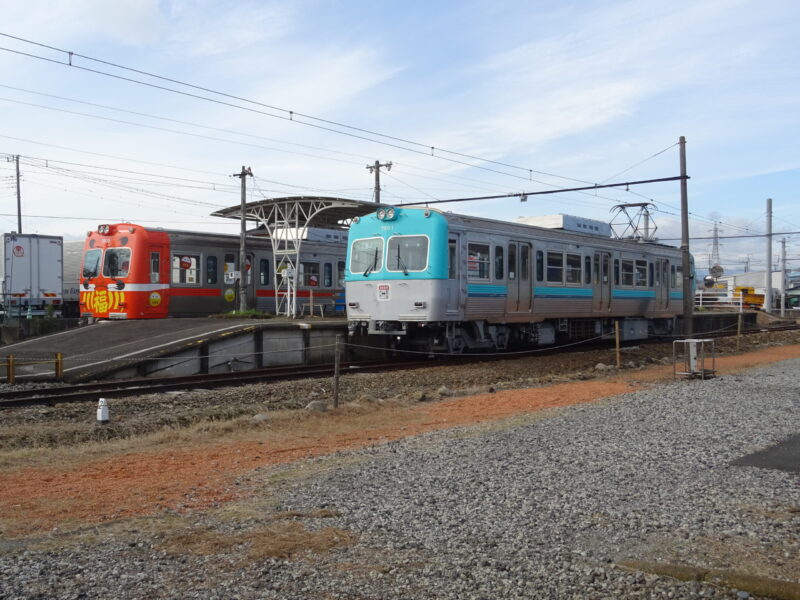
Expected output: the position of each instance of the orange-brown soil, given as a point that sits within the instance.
(36, 499)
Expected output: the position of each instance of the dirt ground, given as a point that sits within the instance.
(186, 473)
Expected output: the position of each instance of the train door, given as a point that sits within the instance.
(662, 284)
(453, 285)
(157, 303)
(249, 260)
(520, 286)
(601, 282)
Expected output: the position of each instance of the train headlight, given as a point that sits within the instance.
(390, 214)
(103, 229)
(381, 214)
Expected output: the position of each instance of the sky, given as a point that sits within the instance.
(464, 98)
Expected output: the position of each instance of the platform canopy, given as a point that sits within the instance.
(286, 221)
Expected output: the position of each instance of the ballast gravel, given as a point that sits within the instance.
(540, 507)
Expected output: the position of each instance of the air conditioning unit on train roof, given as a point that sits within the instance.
(569, 223)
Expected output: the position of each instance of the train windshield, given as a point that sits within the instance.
(91, 262)
(407, 253)
(366, 256)
(117, 262)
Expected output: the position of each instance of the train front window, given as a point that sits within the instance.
(117, 262)
(91, 263)
(407, 253)
(366, 256)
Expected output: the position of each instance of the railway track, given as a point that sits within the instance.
(133, 387)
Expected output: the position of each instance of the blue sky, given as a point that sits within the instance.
(584, 90)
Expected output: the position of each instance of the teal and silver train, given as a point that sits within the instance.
(446, 282)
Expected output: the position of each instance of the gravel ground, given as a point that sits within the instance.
(542, 507)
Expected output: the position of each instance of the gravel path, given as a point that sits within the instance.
(541, 507)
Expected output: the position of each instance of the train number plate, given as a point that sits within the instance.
(383, 291)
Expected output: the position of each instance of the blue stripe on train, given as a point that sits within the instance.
(486, 291)
(562, 293)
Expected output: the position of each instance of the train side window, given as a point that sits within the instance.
(512, 262)
(573, 273)
(229, 268)
(640, 273)
(184, 268)
(499, 267)
(452, 259)
(677, 276)
(340, 274)
(539, 265)
(555, 267)
(212, 273)
(117, 262)
(478, 261)
(263, 272)
(310, 273)
(525, 261)
(327, 275)
(155, 259)
(616, 271)
(587, 270)
(651, 279)
(627, 272)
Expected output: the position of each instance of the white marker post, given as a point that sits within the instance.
(102, 412)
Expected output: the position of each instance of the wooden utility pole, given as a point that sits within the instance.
(242, 248)
(376, 168)
(688, 282)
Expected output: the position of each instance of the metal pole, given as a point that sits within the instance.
(19, 198)
(768, 274)
(616, 336)
(59, 366)
(688, 291)
(242, 248)
(336, 362)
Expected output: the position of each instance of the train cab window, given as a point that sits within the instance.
(91, 262)
(211, 270)
(627, 272)
(499, 267)
(587, 270)
(555, 267)
(155, 259)
(525, 262)
(366, 256)
(478, 261)
(573, 273)
(452, 259)
(185, 268)
(407, 253)
(117, 262)
(640, 273)
(340, 274)
(539, 265)
(512, 262)
(616, 271)
(327, 275)
(263, 272)
(310, 274)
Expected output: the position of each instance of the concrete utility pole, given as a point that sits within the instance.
(376, 168)
(19, 198)
(688, 283)
(783, 278)
(242, 249)
(768, 274)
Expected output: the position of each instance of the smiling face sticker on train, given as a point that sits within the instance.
(154, 299)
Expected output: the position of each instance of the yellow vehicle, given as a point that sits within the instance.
(748, 296)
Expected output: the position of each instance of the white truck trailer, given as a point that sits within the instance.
(31, 275)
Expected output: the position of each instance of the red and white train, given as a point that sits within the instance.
(134, 272)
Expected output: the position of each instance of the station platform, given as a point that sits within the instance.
(174, 347)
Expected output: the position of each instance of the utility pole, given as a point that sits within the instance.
(768, 274)
(688, 287)
(376, 168)
(783, 278)
(19, 198)
(242, 249)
